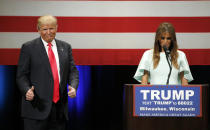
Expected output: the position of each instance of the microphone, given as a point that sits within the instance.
(167, 52)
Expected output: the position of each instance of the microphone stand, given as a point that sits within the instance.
(167, 52)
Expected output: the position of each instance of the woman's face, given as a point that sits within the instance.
(165, 40)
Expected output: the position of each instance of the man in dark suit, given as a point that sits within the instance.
(45, 68)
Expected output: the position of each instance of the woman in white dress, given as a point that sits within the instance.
(154, 67)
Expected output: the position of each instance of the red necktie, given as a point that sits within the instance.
(54, 72)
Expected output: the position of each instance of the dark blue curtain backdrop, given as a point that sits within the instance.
(99, 101)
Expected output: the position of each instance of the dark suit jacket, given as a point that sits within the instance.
(34, 69)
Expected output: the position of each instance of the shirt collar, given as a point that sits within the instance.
(45, 43)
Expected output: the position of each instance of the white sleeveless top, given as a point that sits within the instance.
(159, 75)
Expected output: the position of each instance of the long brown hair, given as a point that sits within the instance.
(163, 28)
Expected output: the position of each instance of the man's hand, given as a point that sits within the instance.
(72, 92)
(30, 94)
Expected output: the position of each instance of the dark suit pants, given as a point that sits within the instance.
(55, 121)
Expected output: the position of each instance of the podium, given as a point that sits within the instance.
(132, 122)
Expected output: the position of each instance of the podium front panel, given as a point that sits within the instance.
(189, 122)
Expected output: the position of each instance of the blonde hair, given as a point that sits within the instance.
(46, 19)
(163, 28)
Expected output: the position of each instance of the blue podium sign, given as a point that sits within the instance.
(167, 101)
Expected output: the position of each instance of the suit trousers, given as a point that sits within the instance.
(55, 121)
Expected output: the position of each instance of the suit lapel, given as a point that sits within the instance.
(43, 55)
